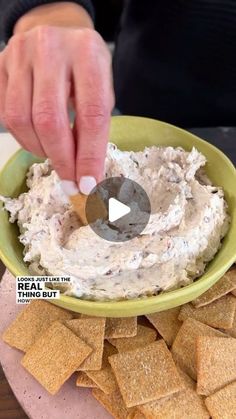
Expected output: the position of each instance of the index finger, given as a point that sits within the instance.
(50, 113)
(93, 103)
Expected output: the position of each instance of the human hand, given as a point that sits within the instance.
(40, 70)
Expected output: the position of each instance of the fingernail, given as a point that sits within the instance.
(86, 184)
(69, 187)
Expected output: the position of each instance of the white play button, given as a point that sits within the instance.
(121, 207)
(116, 210)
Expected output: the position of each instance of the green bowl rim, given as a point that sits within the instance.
(201, 140)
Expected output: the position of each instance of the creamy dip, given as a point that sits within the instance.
(188, 221)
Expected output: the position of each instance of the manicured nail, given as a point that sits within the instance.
(86, 184)
(69, 187)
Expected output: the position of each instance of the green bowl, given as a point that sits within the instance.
(130, 133)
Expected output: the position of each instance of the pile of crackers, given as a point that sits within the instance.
(179, 363)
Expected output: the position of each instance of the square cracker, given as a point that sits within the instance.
(97, 208)
(222, 404)
(184, 346)
(225, 285)
(54, 356)
(84, 381)
(216, 363)
(144, 336)
(188, 381)
(123, 327)
(34, 319)
(78, 203)
(143, 320)
(167, 323)
(105, 378)
(182, 405)
(146, 374)
(174, 406)
(232, 330)
(76, 315)
(113, 403)
(91, 331)
(219, 314)
(135, 414)
(87, 316)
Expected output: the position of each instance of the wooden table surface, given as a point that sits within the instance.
(9, 406)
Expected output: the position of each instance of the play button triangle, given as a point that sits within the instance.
(116, 210)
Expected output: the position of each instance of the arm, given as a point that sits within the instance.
(13, 10)
(64, 14)
(55, 55)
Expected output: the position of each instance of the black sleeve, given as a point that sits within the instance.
(12, 10)
(107, 17)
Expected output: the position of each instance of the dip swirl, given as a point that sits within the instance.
(188, 221)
